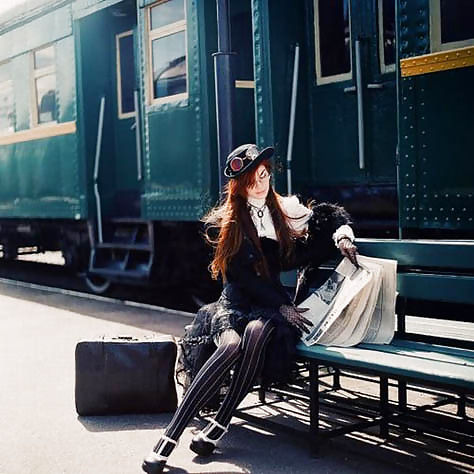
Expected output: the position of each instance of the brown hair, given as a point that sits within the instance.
(231, 220)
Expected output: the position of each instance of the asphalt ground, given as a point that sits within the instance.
(41, 432)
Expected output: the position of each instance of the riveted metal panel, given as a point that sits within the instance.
(177, 147)
(413, 39)
(436, 112)
(43, 30)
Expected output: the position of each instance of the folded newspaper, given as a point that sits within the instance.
(354, 305)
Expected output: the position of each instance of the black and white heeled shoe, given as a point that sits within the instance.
(202, 444)
(155, 462)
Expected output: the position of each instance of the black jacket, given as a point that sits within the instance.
(308, 254)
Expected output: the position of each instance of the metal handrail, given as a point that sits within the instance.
(291, 130)
(360, 105)
(138, 136)
(100, 128)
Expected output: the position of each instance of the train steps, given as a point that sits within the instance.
(125, 252)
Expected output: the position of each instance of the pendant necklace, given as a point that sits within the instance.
(259, 211)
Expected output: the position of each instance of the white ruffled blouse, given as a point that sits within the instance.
(298, 213)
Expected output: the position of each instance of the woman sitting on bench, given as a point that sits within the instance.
(254, 326)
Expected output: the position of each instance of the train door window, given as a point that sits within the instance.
(332, 28)
(167, 51)
(125, 75)
(7, 123)
(386, 24)
(241, 40)
(452, 24)
(44, 86)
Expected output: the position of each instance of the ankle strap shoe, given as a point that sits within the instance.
(155, 462)
(202, 444)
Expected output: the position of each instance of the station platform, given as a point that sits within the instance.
(41, 432)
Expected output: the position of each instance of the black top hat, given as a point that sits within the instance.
(245, 158)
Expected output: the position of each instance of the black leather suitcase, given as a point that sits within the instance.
(120, 375)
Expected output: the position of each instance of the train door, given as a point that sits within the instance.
(353, 106)
(125, 100)
(107, 81)
(241, 42)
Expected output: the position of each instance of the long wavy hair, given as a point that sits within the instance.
(227, 223)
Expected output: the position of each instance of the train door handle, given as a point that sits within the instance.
(375, 86)
(350, 89)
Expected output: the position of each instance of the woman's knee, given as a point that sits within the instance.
(257, 331)
(229, 343)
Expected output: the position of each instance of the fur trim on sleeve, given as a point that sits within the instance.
(327, 218)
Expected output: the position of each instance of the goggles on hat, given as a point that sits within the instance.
(238, 162)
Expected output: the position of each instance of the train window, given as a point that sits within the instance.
(387, 35)
(452, 24)
(6, 100)
(125, 75)
(241, 40)
(166, 13)
(167, 51)
(45, 85)
(333, 40)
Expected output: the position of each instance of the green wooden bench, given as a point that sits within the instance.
(428, 271)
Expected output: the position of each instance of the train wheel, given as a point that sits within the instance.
(97, 284)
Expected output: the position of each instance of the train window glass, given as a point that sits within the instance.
(387, 35)
(45, 86)
(6, 100)
(241, 38)
(452, 24)
(166, 13)
(167, 51)
(457, 20)
(125, 74)
(333, 40)
(169, 65)
(44, 57)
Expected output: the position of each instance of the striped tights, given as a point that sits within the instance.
(246, 353)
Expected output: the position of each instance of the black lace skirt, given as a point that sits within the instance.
(232, 311)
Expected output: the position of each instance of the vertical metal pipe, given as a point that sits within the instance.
(138, 137)
(224, 87)
(291, 131)
(360, 105)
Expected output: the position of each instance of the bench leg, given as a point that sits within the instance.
(336, 379)
(462, 406)
(314, 407)
(402, 395)
(384, 408)
(261, 394)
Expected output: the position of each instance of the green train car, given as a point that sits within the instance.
(109, 130)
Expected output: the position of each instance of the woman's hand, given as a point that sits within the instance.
(295, 317)
(348, 249)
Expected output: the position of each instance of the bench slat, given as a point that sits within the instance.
(393, 364)
(422, 354)
(469, 354)
(448, 288)
(454, 254)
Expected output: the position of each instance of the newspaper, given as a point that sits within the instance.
(382, 325)
(327, 303)
(353, 305)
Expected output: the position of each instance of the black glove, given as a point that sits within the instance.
(348, 249)
(294, 316)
